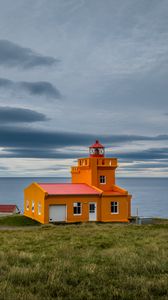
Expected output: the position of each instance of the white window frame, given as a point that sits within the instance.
(115, 205)
(27, 205)
(39, 208)
(75, 204)
(104, 179)
(33, 204)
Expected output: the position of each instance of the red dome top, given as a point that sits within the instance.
(97, 145)
(96, 150)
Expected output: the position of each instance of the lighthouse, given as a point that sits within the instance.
(96, 170)
(91, 196)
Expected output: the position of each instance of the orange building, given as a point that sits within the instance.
(92, 195)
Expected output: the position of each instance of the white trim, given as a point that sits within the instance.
(77, 214)
(95, 213)
(77, 206)
(27, 205)
(33, 206)
(104, 179)
(39, 208)
(115, 213)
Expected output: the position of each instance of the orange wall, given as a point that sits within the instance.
(124, 208)
(84, 176)
(110, 179)
(34, 193)
(89, 170)
(69, 200)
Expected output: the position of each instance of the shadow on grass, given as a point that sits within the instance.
(17, 220)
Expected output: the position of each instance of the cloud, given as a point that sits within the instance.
(28, 136)
(39, 88)
(3, 168)
(146, 165)
(30, 142)
(33, 138)
(13, 55)
(5, 83)
(20, 115)
(45, 153)
(53, 153)
(149, 154)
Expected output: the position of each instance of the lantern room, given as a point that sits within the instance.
(96, 150)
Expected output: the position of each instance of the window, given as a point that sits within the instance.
(114, 207)
(32, 206)
(92, 208)
(102, 179)
(27, 204)
(39, 208)
(77, 208)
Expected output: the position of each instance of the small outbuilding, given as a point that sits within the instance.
(92, 196)
(8, 209)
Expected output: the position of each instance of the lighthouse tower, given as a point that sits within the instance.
(92, 195)
(96, 170)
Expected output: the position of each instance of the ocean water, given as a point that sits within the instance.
(150, 195)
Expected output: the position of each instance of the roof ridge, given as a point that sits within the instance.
(62, 183)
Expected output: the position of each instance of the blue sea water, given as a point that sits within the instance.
(150, 195)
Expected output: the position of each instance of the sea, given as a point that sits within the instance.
(149, 195)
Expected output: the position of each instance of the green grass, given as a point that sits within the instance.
(17, 220)
(87, 261)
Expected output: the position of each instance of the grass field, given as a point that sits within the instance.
(17, 220)
(87, 261)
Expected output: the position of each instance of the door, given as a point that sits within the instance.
(57, 213)
(92, 211)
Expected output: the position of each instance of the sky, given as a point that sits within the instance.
(72, 71)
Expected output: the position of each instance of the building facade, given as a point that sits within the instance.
(92, 195)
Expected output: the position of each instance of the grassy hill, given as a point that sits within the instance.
(17, 220)
(87, 261)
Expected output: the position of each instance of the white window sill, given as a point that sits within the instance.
(117, 213)
(77, 214)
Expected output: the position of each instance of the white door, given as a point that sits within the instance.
(57, 213)
(92, 211)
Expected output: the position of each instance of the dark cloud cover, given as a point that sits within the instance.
(47, 153)
(150, 165)
(20, 115)
(3, 168)
(149, 154)
(39, 88)
(29, 142)
(13, 55)
(26, 137)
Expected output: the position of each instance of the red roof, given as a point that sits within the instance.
(68, 189)
(7, 208)
(97, 145)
